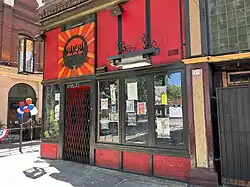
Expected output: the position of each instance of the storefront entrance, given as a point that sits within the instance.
(77, 125)
(234, 132)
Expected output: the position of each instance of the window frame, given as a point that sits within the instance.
(44, 110)
(167, 146)
(149, 73)
(98, 113)
(25, 38)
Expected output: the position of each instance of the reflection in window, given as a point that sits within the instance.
(168, 110)
(51, 112)
(26, 54)
(108, 111)
(136, 118)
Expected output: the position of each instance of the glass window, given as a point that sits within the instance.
(26, 54)
(108, 130)
(168, 110)
(229, 25)
(136, 116)
(51, 112)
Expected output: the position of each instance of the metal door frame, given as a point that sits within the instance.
(91, 83)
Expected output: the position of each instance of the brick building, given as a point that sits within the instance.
(21, 56)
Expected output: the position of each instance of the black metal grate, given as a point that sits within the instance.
(77, 125)
(234, 129)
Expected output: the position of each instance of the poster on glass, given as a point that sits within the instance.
(131, 119)
(163, 129)
(161, 95)
(130, 106)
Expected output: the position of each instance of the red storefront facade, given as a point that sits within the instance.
(115, 88)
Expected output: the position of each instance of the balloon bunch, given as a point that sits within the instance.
(28, 108)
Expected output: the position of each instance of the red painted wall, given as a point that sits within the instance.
(136, 162)
(51, 54)
(171, 167)
(107, 158)
(49, 150)
(166, 29)
(107, 36)
(134, 23)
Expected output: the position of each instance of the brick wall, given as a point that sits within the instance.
(21, 18)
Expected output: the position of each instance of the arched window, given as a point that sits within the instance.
(26, 54)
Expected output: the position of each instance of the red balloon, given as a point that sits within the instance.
(26, 109)
(21, 103)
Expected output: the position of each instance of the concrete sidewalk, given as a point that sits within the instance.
(68, 174)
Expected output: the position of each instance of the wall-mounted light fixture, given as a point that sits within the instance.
(132, 62)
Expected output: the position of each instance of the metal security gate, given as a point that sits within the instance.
(233, 104)
(77, 125)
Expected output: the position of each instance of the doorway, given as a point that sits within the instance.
(77, 125)
(234, 132)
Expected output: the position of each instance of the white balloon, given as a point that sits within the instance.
(19, 111)
(34, 111)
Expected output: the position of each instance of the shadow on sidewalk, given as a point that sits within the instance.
(80, 175)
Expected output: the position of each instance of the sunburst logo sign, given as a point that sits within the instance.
(76, 51)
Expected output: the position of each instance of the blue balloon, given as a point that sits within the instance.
(19, 115)
(31, 106)
(21, 108)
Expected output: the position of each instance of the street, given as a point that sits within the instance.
(28, 170)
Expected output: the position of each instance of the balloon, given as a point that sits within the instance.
(34, 111)
(19, 111)
(21, 103)
(21, 108)
(31, 106)
(26, 109)
(19, 115)
(28, 101)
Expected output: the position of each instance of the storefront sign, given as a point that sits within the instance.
(75, 85)
(76, 51)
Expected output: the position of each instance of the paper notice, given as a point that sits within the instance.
(130, 106)
(104, 104)
(164, 99)
(160, 95)
(112, 94)
(141, 108)
(163, 129)
(131, 119)
(175, 112)
(132, 91)
(104, 124)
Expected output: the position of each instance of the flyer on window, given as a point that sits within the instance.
(114, 117)
(104, 104)
(141, 108)
(104, 124)
(161, 95)
(113, 108)
(130, 106)
(131, 119)
(175, 112)
(163, 128)
(112, 94)
(132, 91)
